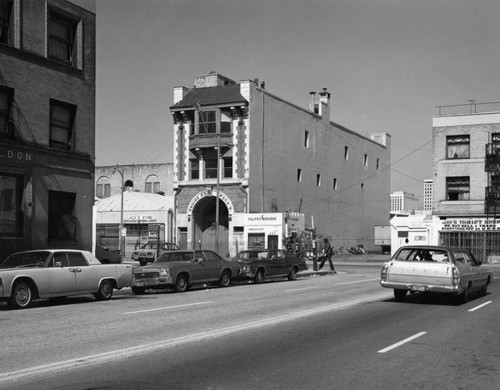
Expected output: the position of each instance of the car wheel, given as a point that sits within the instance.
(259, 276)
(224, 280)
(293, 274)
(182, 284)
(105, 291)
(138, 290)
(399, 295)
(22, 295)
(142, 262)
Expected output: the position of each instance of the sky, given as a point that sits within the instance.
(387, 63)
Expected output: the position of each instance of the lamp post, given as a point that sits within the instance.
(121, 215)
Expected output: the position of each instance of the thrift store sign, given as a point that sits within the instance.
(472, 224)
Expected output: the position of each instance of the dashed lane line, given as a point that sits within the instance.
(169, 307)
(480, 306)
(407, 340)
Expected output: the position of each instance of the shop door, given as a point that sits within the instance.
(272, 242)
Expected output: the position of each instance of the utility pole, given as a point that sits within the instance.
(120, 230)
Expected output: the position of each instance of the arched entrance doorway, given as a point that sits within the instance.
(204, 223)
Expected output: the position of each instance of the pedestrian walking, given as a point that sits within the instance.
(327, 255)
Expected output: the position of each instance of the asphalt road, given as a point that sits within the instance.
(324, 332)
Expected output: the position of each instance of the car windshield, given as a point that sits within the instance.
(252, 255)
(30, 259)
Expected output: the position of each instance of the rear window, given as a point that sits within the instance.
(422, 254)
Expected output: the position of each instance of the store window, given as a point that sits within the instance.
(61, 38)
(62, 222)
(256, 240)
(62, 117)
(458, 146)
(6, 95)
(458, 188)
(6, 22)
(11, 192)
(228, 167)
(195, 169)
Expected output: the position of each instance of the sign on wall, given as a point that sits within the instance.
(469, 224)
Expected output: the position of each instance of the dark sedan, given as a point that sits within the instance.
(261, 264)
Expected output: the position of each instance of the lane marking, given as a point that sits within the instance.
(393, 346)
(169, 307)
(106, 357)
(480, 306)
(302, 289)
(358, 281)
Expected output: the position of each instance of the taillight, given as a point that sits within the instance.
(383, 273)
(455, 276)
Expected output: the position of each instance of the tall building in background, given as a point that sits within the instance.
(428, 194)
(264, 155)
(403, 202)
(47, 124)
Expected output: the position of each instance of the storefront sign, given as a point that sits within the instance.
(14, 155)
(140, 219)
(265, 219)
(472, 224)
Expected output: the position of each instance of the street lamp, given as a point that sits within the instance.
(121, 215)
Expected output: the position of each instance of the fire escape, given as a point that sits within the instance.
(492, 167)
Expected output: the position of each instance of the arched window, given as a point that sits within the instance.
(152, 184)
(103, 187)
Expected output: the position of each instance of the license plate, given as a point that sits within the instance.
(417, 288)
(140, 284)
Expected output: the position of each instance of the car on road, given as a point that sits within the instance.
(107, 256)
(49, 273)
(181, 269)
(435, 269)
(261, 264)
(147, 253)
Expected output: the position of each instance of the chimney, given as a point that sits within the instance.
(312, 101)
(324, 101)
(179, 93)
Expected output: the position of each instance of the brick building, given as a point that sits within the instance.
(263, 155)
(47, 124)
(466, 181)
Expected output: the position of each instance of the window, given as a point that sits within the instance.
(225, 122)
(365, 161)
(103, 188)
(6, 22)
(6, 95)
(62, 222)
(299, 175)
(228, 167)
(378, 164)
(318, 180)
(207, 122)
(62, 117)
(152, 184)
(306, 139)
(458, 188)
(11, 193)
(61, 38)
(458, 146)
(76, 259)
(210, 157)
(346, 152)
(195, 169)
(335, 183)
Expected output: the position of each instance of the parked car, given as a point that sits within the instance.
(147, 253)
(435, 269)
(261, 264)
(108, 256)
(49, 273)
(181, 269)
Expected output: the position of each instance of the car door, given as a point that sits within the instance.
(200, 271)
(277, 263)
(464, 266)
(214, 265)
(475, 271)
(62, 277)
(86, 275)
